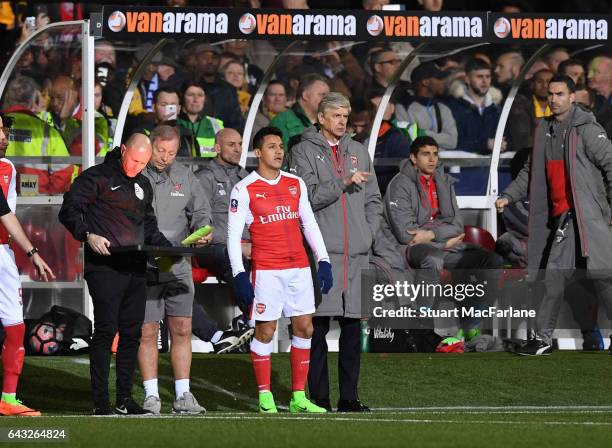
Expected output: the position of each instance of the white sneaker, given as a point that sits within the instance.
(152, 404)
(187, 404)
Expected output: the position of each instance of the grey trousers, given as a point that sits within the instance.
(565, 268)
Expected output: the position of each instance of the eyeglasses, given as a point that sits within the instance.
(391, 61)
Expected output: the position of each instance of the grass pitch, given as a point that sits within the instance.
(418, 400)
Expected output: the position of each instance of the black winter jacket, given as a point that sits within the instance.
(106, 202)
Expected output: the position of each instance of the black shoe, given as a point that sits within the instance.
(324, 403)
(103, 410)
(352, 406)
(535, 347)
(229, 341)
(127, 406)
(245, 334)
(239, 323)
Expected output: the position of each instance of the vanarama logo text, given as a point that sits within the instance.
(551, 29)
(168, 22)
(299, 24)
(425, 26)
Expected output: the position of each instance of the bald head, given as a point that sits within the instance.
(508, 66)
(135, 154)
(63, 82)
(228, 145)
(64, 96)
(138, 142)
(600, 75)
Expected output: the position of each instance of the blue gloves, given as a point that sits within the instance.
(324, 275)
(244, 291)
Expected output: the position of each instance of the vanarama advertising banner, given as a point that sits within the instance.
(142, 22)
(125, 22)
(547, 28)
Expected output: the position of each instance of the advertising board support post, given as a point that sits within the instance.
(88, 125)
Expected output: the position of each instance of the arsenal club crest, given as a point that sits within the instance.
(293, 190)
(260, 308)
(176, 191)
(221, 189)
(354, 160)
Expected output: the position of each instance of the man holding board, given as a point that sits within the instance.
(181, 207)
(109, 207)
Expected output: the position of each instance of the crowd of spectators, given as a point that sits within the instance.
(202, 87)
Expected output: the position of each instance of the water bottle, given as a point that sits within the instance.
(365, 336)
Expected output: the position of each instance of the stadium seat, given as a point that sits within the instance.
(482, 237)
(479, 236)
(474, 235)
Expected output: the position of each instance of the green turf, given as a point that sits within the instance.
(224, 383)
(386, 430)
(507, 400)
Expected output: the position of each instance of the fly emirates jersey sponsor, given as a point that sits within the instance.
(276, 211)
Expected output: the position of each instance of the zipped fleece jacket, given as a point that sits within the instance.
(217, 182)
(106, 202)
(406, 207)
(180, 204)
(588, 159)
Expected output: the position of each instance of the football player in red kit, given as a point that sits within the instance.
(11, 308)
(274, 205)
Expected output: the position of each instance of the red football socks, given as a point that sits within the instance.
(262, 366)
(12, 356)
(300, 362)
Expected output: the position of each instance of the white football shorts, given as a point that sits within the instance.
(285, 291)
(11, 306)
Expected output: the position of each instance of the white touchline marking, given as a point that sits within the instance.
(250, 400)
(320, 419)
(551, 411)
(497, 408)
(83, 361)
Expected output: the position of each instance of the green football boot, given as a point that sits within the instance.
(266, 403)
(299, 403)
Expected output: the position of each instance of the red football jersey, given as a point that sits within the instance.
(275, 211)
(7, 183)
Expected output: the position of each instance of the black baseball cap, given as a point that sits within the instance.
(425, 71)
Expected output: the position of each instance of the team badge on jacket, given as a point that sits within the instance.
(139, 191)
(221, 189)
(177, 190)
(234, 205)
